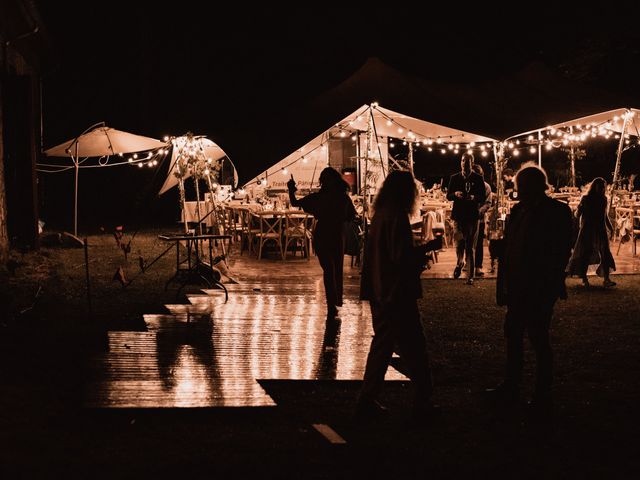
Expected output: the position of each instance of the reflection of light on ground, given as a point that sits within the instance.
(192, 379)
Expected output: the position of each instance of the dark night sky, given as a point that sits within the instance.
(223, 71)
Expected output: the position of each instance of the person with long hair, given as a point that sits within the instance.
(331, 207)
(592, 244)
(391, 283)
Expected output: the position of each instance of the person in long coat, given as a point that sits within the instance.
(531, 278)
(391, 283)
(592, 244)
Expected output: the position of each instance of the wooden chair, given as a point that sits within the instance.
(296, 232)
(270, 231)
(627, 224)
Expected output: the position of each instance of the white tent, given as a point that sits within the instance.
(306, 162)
(208, 148)
(622, 122)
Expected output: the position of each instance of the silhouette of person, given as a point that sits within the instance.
(507, 181)
(331, 207)
(467, 191)
(391, 282)
(482, 212)
(592, 244)
(531, 276)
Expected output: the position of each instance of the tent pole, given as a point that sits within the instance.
(616, 171)
(411, 157)
(540, 148)
(75, 200)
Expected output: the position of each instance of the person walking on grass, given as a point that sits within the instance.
(592, 244)
(467, 191)
(391, 283)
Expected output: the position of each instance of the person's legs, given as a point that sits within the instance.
(479, 247)
(338, 261)
(412, 347)
(538, 329)
(470, 239)
(379, 355)
(514, 326)
(459, 239)
(327, 262)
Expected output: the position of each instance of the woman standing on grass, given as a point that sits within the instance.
(592, 245)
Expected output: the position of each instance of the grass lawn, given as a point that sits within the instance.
(45, 433)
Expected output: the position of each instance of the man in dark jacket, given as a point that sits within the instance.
(467, 191)
(531, 275)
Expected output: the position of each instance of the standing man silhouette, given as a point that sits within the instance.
(531, 276)
(467, 191)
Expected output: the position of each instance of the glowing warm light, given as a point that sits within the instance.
(530, 137)
(284, 171)
(431, 149)
(516, 153)
(140, 165)
(511, 145)
(304, 160)
(389, 123)
(548, 146)
(166, 138)
(130, 159)
(533, 150)
(400, 130)
(392, 145)
(442, 150)
(135, 155)
(484, 153)
(343, 134)
(450, 147)
(354, 138)
(206, 171)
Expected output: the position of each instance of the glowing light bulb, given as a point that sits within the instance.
(135, 155)
(140, 165)
(484, 153)
(400, 130)
(516, 153)
(548, 146)
(450, 147)
(166, 138)
(430, 149)
(130, 159)
(284, 171)
(511, 145)
(533, 150)
(304, 160)
(442, 150)
(389, 123)
(392, 145)
(206, 171)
